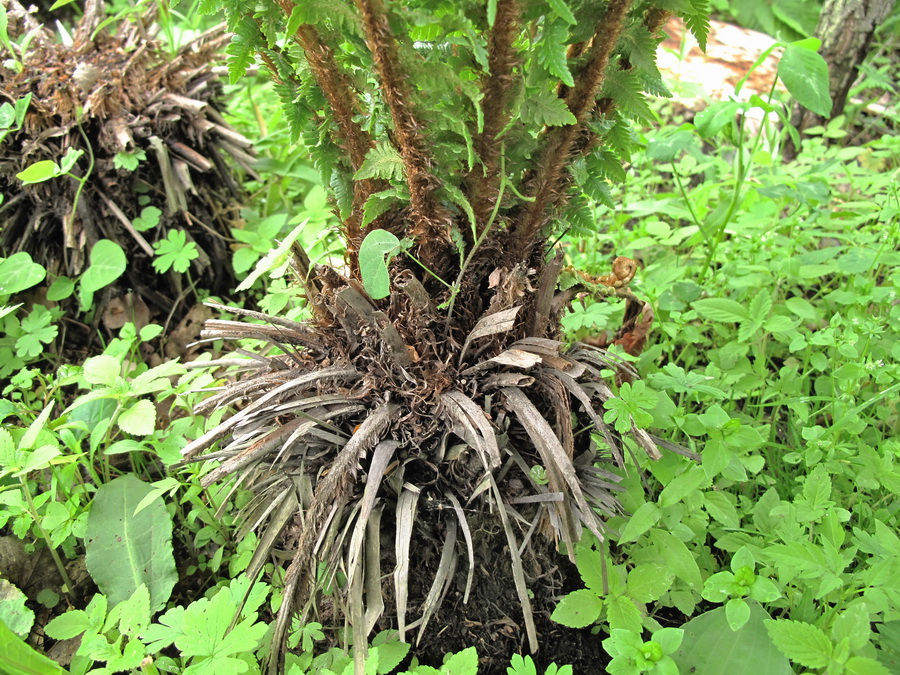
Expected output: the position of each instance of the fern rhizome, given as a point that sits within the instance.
(427, 418)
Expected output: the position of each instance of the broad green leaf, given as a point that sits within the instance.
(108, 262)
(712, 119)
(124, 550)
(647, 515)
(621, 612)
(19, 658)
(578, 609)
(68, 625)
(139, 419)
(375, 254)
(712, 648)
(13, 612)
(19, 272)
(801, 642)
(464, 662)
(60, 289)
(681, 486)
(677, 557)
(103, 369)
(853, 624)
(721, 309)
(805, 74)
(737, 612)
(802, 308)
(648, 581)
(39, 172)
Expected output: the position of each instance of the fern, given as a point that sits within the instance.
(561, 9)
(698, 21)
(381, 202)
(382, 161)
(242, 50)
(551, 52)
(546, 108)
(624, 87)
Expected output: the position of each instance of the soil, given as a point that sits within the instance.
(492, 621)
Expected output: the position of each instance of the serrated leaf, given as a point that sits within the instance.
(578, 609)
(625, 88)
(800, 642)
(139, 419)
(382, 161)
(562, 10)
(551, 52)
(546, 108)
(721, 309)
(648, 581)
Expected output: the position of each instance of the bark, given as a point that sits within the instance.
(846, 28)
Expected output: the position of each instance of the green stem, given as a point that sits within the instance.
(742, 174)
(478, 242)
(67, 583)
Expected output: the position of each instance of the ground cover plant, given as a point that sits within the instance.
(772, 356)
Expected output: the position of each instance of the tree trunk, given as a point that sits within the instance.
(846, 28)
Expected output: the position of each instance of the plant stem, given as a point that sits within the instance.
(67, 583)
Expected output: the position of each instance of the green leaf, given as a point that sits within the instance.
(805, 74)
(18, 658)
(375, 254)
(551, 52)
(712, 648)
(712, 119)
(648, 581)
(379, 203)
(148, 219)
(39, 172)
(562, 10)
(68, 625)
(60, 289)
(103, 369)
(461, 663)
(801, 642)
(18, 272)
(677, 557)
(275, 263)
(737, 613)
(853, 624)
(681, 486)
(13, 612)
(107, 264)
(382, 161)
(139, 419)
(863, 665)
(124, 550)
(621, 612)
(174, 252)
(578, 609)
(647, 515)
(546, 108)
(721, 309)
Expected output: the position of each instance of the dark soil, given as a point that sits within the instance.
(492, 621)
